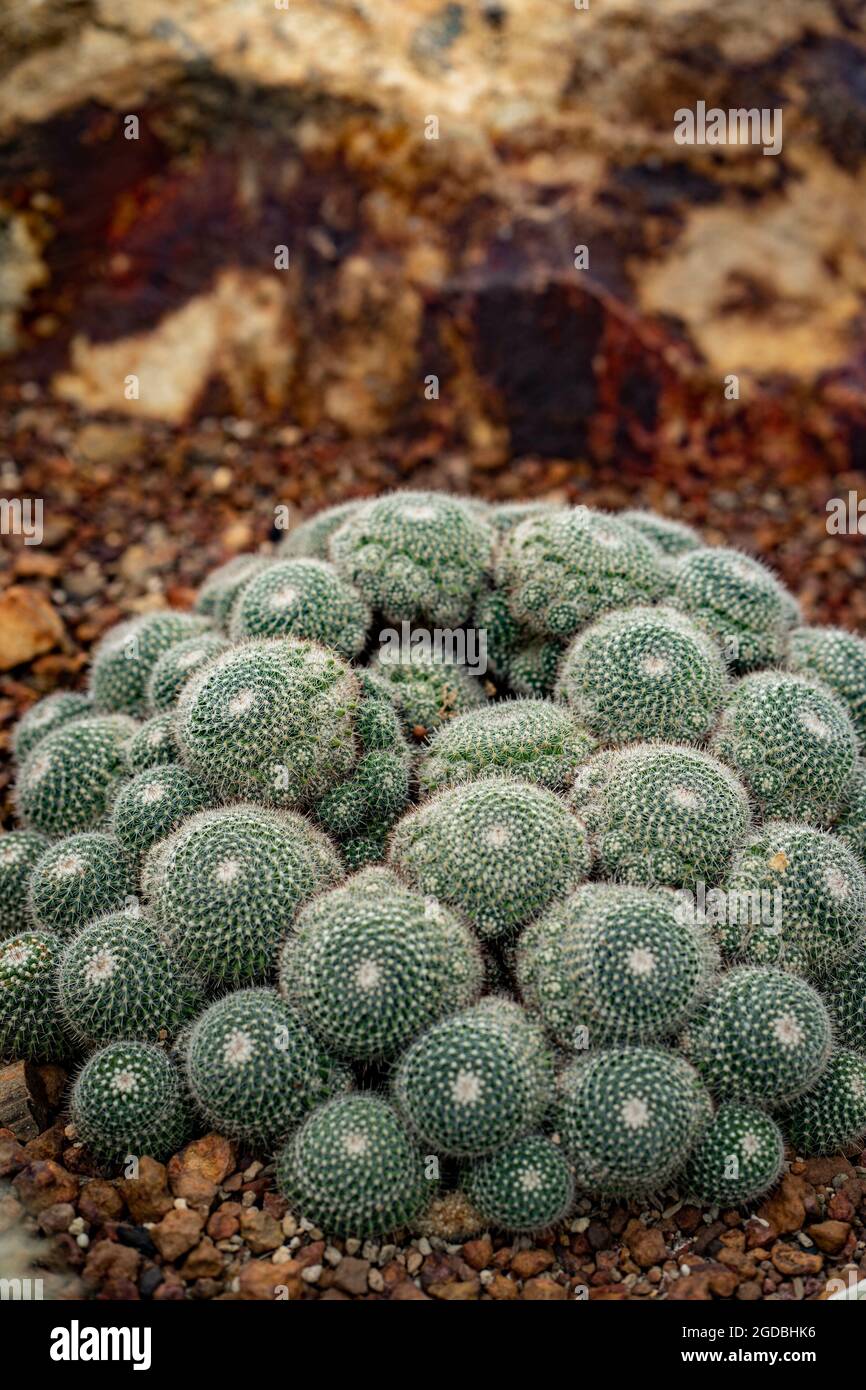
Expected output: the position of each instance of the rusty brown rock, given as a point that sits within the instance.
(785, 1209)
(647, 1244)
(527, 1263)
(792, 1260)
(478, 1253)
(100, 1201)
(260, 1230)
(204, 1261)
(456, 1290)
(350, 1275)
(177, 1232)
(43, 1183)
(829, 1236)
(109, 1260)
(225, 1221)
(147, 1195)
(259, 1279)
(29, 625)
(543, 1289)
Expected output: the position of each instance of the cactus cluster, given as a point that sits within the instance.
(279, 876)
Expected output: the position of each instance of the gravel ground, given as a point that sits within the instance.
(134, 515)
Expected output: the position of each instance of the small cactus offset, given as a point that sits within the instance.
(792, 742)
(795, 896)
(128, 1101)
(371, 963)
(737, 600)
(831, 1116)
(628, 1118)
(153, 744)
(526, 1186)
(416, 557)
(850, 822)
(225, 885)
(838, 658)
(560, 571)
(126, 655)
(309, 540)
(45, 716)
(763, 1035)
(661, 813)
(30, 1029)
(644, 673)
(739, 1157)
(614, 964)
(219, 592)
(845, 997)
(67, 781)
(532, 667)
(116, 980)
(302, 598)
(673, 537)
(77, 879)
(153, 803)
(354, 1169)
(476, 1080)
(425, 688)
(177, 665)
(499, 850)
(254, 1068)
(19, 852)
(534, 740)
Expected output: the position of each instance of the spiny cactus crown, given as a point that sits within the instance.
(661, 813)
(525, 1186)
(838, 658)
(534, 740)
(354, 1169)
(560, 571)
(850, 822)
(628, 1118)
(254, 1068)
(831, 1115)
(67, 780)
(426, 689)
(737, 600)
(29, 1026)
(311, 538)
(128, 1100)
(219, 592)
(644, 673)
(19, 851)
(416, 557)
(763, 1035)
(153, 803)
(614, 964)
(45, 716)
(499, 850)
(673, 537)
(371, 963)
(77, 879)
(153, 744)
(845, 997)
(225, 885)
(302, 598)
(126, 655)
(800, 896)
(791, 741)
(175, 667)
(738, 1157)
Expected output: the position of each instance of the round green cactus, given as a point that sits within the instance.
(128, 1100)
(45, 716)
(302, 598)
(838, 658)
(353, 1169)
(506, 515)
(254, 1068)
(153, 745)
(845, 997)
(116, 981)
(644, 673)
(370, 964)
(831, 1115)
(791, 741)
(153, 803)
(534, 740)
(67, 781)
(19, 851)
(77, 879)
(764, 1035)
(614, 964)
(737, 600)
(177, 665)
(800, 899)
(226, 884)
(850, 822)
(476, 1080)
(499, 850)
(532, 667)
(218, 594)
(378, 789)
(526, 1186)
(558, 572)
(661, 813)
(126, 655)
(30, 1030)
(739, 1157)
(426, 689)
(673, 537)
(628, 1118)
(416, 557)
(311, 538)
(272, 719)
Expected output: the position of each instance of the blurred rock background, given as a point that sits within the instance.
(257, 254)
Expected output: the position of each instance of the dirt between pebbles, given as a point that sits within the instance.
(135, 514)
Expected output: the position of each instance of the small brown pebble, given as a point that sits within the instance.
(647, 1244)
(12, 1157)
(502, 1288)
(11, 1212)
(598, 1235)
(259, 1279)
(351, 1274)
(56, 1218)
(748, 1291)
(204, 1262)
(147, 1195)
(43, 1184)
(478, 1253)
(100, 1201)
(544, 1290)
(829, 1236)
(260, 1231)
(457, 1291)
(224, 1223)
(527, 1263)
(407, 1292)
(820, 1172)
(792, 1260)
(177, 1232)
(688, 1219)
(785, 1208)
(108, 1260)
